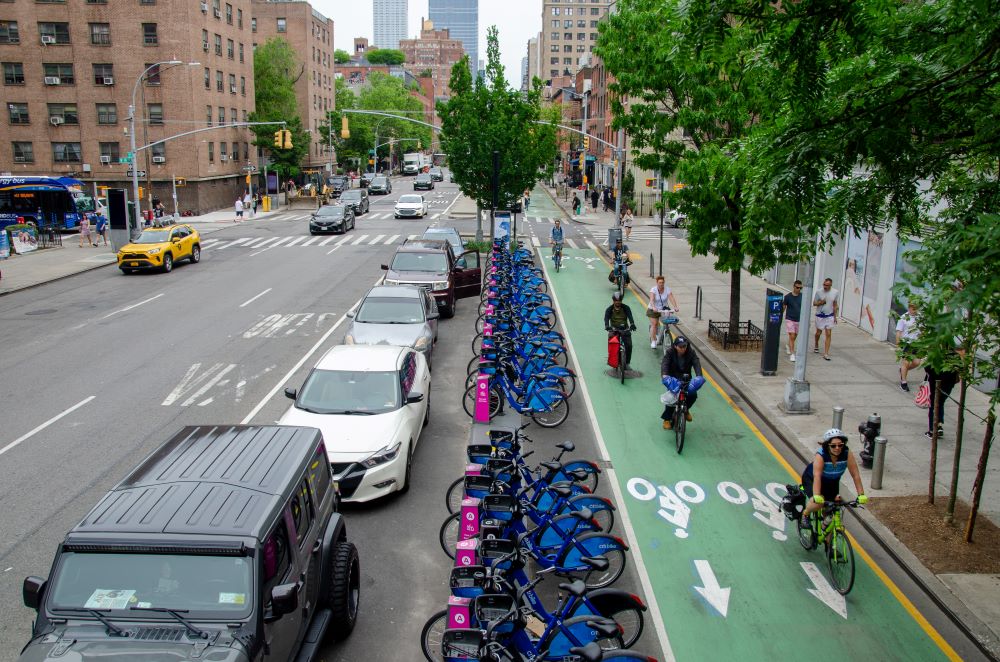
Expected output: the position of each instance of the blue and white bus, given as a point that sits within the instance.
(54, 202)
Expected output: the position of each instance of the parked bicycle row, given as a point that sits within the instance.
(511, 524)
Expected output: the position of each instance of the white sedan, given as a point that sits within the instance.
(371, 403)
(411, 205)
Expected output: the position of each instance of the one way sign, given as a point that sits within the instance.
(142, 173)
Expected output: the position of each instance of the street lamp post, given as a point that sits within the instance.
(131, 132)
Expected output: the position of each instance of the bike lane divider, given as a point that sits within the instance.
(724, 565)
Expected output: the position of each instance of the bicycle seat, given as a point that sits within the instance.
(551, 466)
(585, 514)
(561, 490)
(577, 588)
(590, 653)
(567, 446)
(606, 627)
(598, 563)
(579, 474)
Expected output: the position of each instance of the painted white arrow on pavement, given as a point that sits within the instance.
(824, 592)
(714, 594)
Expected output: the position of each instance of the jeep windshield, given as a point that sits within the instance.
(202, 586)
(429, 262)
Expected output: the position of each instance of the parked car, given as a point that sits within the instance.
(436, 174)
(450, 235)
(402, 315)
(675, 219)
(366, 178)
(372, 401)
(357, 199)
(423, 181)
(332, 218)
(410, 206)
(224, 544)
(338, 184)
(160, 248)
(433, 264)
(380, 185)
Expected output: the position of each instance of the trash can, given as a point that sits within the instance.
(772, 332)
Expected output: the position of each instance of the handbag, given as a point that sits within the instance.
(923, 398)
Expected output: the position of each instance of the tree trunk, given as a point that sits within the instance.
(977, 487)
(734, 305)
(959, 427)
(931, 487)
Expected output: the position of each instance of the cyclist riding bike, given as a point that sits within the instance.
(556, 240)
(821, 477)
(620, 263)
(678, 362)
(618, 318)
(659, 297)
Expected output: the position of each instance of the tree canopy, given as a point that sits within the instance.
(390, 56)
(341, 56)
(276, 68)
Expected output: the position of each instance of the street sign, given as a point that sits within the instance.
(250, 168)
(124, 159)
(142, 173)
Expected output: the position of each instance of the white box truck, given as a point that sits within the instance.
(413, 163)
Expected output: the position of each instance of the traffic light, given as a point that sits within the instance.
(345, 130)
(419, 145)
(583, 160)
(141, 193)
(278, 138)
(288, 139)
(586, 142)
(180, 181)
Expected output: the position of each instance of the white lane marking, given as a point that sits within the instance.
(134, 305)
(249, 301)
(635, 549)
(343, 241)
(411, 237)
(310, 240)
(241, 240)
(571, 243)
(535, 242)
(447, 209)
(256, 242)
(294, 241)
(295, 368)
(46, 424)
(590, 244)
(267, 241)
(208, 242)
(327, 240)
(715, 595)
(391, 240)
(208, 379)
(360, 240)
(279, 242)
(436, 216)
(334, 248)
(824, 592)
(376, 240)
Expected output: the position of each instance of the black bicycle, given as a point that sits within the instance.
(680, 415)
(619, 332)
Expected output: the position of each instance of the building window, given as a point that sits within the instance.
(147, 2)
(232, 83)
(211, 152)
(253, 24)
(554, 36)
(554, 48)
(66, 153)
(568, 48)
(100, 34)
(568, 36)
(159, 151)
(152, 73)
(216, 8)
(581, 36)
(244, 114)
(107, 113)
(222, 115)
(593, 36)
(149, 37)
(282, 25)
(554, 60)
(218, 81)
(581, 23)
(595, 11)
(208, 115)
(232, 115)
(64, 113)
(9, 33)
(23, 152)
(553, 73)
(18, 113)
(208, 78)
(229, 13)
(97, 2)
(581, 48)
(56, 32)
(62, 71)
(222, 150)
(111, 151)
(13, 73)
(236, 151)
(241, 51)
(555, 23)
(154, 112)
(239, 18)
(567, 60)
(243, 85)
(104, 74)
(218, 44)
(230, 49)
(555, 11)
(593, 24)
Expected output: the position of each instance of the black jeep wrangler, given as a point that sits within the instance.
(225, 544)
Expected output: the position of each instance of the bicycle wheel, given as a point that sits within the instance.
(448, 534)
(453, 497)
(621, 362)
(807, 535)
(469, 401)
(555, 416)
(601, 578)
(432, 635)
(840, 557)
(680, 427)
(629, 618)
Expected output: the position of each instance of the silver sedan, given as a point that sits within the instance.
(404, 315)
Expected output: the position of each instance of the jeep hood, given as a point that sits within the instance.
(98, 647)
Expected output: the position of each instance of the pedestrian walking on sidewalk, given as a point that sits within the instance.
(606, 198)
(947, 379)
(256, 202)
(248, 203)
(627, 221)
(102, 228)
(595, 197)
(827, 304)
(576, 205)
(527, 199)
(906, 333)
(791, 306)
(239, 210)
(85, 231)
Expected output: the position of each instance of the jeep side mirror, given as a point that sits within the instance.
(291, 393)
(284, 600)
(385, 267)
(31, 592)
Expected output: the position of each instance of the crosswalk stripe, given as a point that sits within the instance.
(255, 242)
(343, 241)
(571, 243)
(266, 241)
(535, 242)
(241, 240)
(360, 239)
(279, 242)
(327, 240)
(376, 240)
(208, 242)
(391, 240)
(294, 241)
(310, 240)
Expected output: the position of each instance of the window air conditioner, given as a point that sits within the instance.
(232, 89)
(217, 12)
(48, 39)
(204, 8)
(108, 80)
(223, 157)
(19, 159)
(105, 158)
(52, 80)
(204, 46)
(159, 159)
(56, 121)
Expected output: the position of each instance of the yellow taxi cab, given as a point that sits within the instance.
(160, 248)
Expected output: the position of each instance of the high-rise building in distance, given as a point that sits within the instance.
(569, 34)
(461, 19)
(390, 23)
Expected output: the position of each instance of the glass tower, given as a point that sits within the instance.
(390, 23)
(461, 18)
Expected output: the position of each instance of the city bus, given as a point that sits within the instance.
(53, 202)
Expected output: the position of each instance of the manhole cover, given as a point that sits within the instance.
(43, 311)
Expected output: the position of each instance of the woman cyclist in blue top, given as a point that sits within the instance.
(821, 478)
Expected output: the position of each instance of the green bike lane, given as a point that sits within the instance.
(729, 577)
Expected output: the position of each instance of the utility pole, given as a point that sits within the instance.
(797, 396)
(173, 185)
(662, 206)
(620, 156)
(586, 131)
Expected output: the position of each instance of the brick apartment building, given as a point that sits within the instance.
(569, 32)
(433, 51)
(69, 70)
(310, 35)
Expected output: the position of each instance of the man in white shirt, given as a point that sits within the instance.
(906, 333)
(827, 304)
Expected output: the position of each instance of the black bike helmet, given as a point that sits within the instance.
(680, 341)
(617, 296)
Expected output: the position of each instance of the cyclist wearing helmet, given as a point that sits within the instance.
(821, 478)
(678, 362)
(619, 316)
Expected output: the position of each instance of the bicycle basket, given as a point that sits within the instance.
(468, 581)
(502, 470)
(476, 487)
(497, 548)
(490, 528)
(502, 439)
(499, 506)
(461, 644)
(479, 453)
(793, 503)
(491, 607)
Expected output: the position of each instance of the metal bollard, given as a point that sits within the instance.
(651, 273)
(838, 418)
(879, 465)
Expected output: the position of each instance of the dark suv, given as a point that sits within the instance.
(431, 263)
(224, 544)
(338, 184)
(380, 185)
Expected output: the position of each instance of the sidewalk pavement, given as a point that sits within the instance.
(862, 377)
(48, 264)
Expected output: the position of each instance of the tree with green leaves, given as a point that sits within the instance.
(341, 56)
(276, 69)
(486, 116)
(390, 56)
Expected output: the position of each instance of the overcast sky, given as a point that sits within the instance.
(353, 18)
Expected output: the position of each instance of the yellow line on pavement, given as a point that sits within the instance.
(904, 601)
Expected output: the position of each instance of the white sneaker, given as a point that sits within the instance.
(788, 351)
(792, 358)
(652, 345)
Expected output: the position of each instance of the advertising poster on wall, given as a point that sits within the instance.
(854, 274)
(903, 267)
(4, 246)
(873, 268)
(23, 239)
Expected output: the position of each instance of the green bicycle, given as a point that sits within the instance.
(829, 530)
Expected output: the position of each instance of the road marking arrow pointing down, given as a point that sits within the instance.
(824, 592)
(714, 594)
